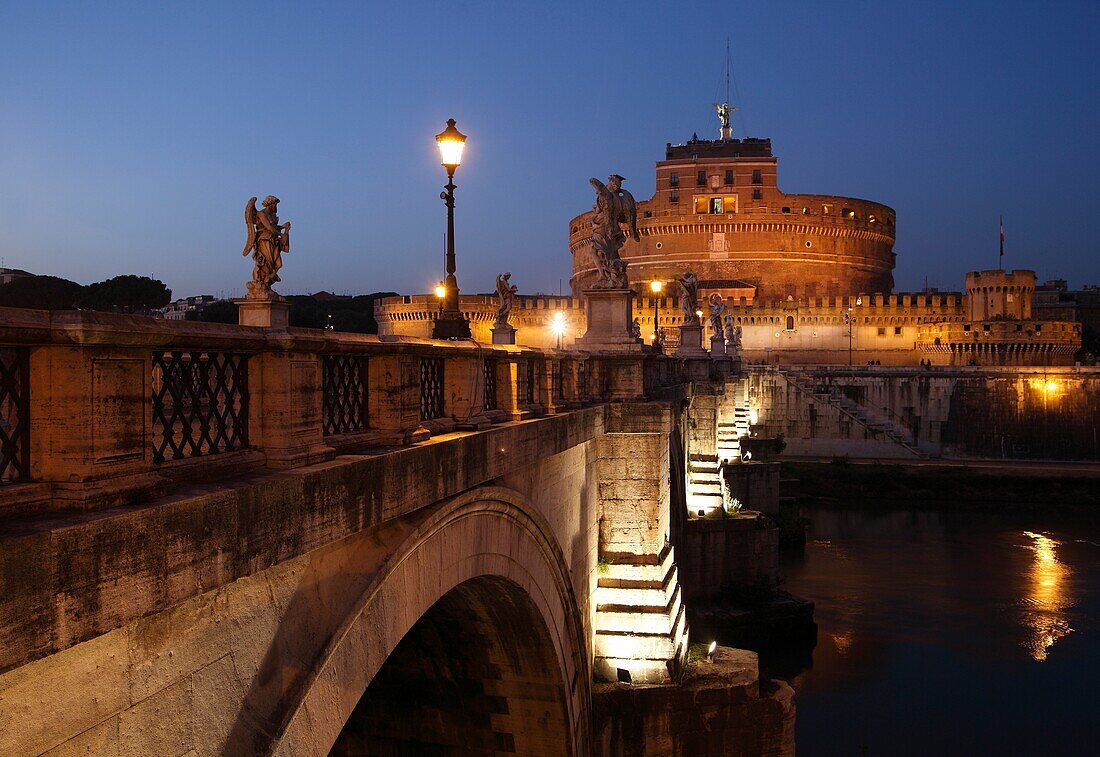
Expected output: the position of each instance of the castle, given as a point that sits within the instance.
(808, 278)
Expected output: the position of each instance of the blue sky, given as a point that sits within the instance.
(132, 134)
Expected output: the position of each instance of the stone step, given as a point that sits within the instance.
(638, 596)
(704, 502)
(637, 646)
(645, 672)
(639, 572)
(647, 620)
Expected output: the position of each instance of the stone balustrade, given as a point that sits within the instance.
(100, 409)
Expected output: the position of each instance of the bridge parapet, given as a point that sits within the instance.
(99, 409)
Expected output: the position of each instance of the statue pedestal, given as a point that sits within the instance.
(609, 314)
(503, 334)
(269, 313)
(691, 340)
(717, 347)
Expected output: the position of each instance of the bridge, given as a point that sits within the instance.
(242, 540)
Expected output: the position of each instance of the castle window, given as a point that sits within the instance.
(805, 211)
(871, 218)
(701, 178)
(882, 331)
(756, 194)
(648, 214)
(966, 327)
(729, 176)
(847, 213)
(786, 210)
(674, 179)
(674, 197)
(986, 327)
(824, 210)
(1019, 327)
(716, 205)
(897, 331)
(756, 177)
(790, 323)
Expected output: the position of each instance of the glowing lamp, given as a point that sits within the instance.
(450, 141)
(557, 324)
(699, 314)
(754, 417)
(711, 650)
(656, 286)
(1051, 386)
(440, 290)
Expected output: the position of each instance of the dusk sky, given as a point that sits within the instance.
(132, 135)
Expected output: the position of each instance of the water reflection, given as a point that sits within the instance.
(1046, 601)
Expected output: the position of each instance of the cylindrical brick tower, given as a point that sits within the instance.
(718, 212)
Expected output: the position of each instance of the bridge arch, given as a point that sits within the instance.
(480, 568)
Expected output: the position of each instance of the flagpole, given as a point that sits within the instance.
(1001, 259)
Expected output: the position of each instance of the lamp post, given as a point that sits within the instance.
(557, 325)
(450, 324)
(848, 323)
(655, 287)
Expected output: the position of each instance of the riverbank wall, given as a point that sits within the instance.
(911, 413)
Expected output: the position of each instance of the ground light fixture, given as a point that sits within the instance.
(711, 650)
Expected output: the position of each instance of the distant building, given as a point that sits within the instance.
(178, 310)
(8, 275)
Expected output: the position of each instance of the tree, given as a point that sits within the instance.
(127, 294)
(44, 292)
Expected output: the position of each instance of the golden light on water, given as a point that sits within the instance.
(1046, 600)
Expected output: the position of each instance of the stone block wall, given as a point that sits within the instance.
(727, 555)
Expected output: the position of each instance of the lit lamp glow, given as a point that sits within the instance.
(451, 142)
(656, 286)
(440, 290)
(557, 325)
(711, 650)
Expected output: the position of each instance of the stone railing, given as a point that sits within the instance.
(102, 409)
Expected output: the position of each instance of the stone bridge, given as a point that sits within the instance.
(238, 540)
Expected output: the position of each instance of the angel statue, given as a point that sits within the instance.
(717, 309)
(506, 294)
(727, 320)
(689, 295)
(636, 329)
(267, 241)
(614, 206)
(735, 338)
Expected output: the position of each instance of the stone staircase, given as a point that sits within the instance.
(875, 426)
(641, 622)
(704, 485)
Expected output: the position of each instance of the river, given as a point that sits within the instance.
(943, 632)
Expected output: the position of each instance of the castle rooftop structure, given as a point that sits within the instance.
(718, 210)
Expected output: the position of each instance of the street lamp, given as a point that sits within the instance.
(557, 325)
(450, 324)
(848, 323)
(656, 286)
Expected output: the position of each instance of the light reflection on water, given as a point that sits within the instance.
(1046, 602)
(947, 633)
